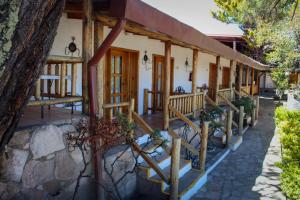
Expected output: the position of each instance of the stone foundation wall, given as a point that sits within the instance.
(39, 165)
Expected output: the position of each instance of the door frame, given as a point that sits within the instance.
(154, 56)
(107, 88)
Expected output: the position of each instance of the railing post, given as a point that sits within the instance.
(253, 114)
(241, 120)
(38, 89)
(146, 102)
(194, 105)
(74, 78)
(130, 110)
(203, 101)
(203, 146)
(257, 107)
(175, 160)
(62, 79)
(229, 128)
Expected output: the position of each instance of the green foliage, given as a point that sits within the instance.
(247, 103)
(289, 130)
(280, 80)
(210, 114)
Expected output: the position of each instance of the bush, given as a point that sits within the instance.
(288, 123)
(247, 103)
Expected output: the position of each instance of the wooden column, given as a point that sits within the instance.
(218, 64)
(253, 114)
(240, 79)
(62, 79)
(194, 78)
(87, 50)
(175, 164)
(74, 78)
(38, 89)
(166, 94)
(203, 145)
(57, 72)
(231, 77)
(247, 79)
(98, 39)
(146, 103)
(229, 127)
(252, 80)
(241, 120)
(257, 107)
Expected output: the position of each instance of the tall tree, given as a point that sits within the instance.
(254, 17)
(27, 28)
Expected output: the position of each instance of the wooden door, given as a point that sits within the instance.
(212, 83)
(158, 81)
(225, 77)
(121, 76)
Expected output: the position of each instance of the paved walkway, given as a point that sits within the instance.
(249, 173)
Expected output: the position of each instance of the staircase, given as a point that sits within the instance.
(152, 185)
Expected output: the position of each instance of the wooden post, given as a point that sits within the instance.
(175, 162)
(218, 64)
(146, 103)
(49, 81)
(167, 83)
(98, 39)
(130, 111)
(74, 78)
(66, 80)
(257, 107)
(229, 128)
(240, 79)
(241, 120)
(62, 79)
(87, 28)
(38, 89)
(253, 118)
(194, 79)
(57, 91)
(231, 78)
(203, 145)
(247, 79)
(252, 80)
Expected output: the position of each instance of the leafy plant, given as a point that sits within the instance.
(247, 103)
(288, 124)
(210, 114)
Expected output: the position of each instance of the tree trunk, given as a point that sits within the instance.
(27, 29)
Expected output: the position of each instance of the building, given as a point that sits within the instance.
(118, 55)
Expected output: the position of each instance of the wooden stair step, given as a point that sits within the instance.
(159, 158)
(183, 163)
(187, 181)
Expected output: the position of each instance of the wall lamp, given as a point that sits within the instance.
(186, 64)
(147, 62)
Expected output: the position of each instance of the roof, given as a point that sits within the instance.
(153, 20)
(228, 38)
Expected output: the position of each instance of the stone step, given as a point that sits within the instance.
(162, 159)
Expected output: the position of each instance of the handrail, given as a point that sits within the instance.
(229, 103)
(54, 101)
(184, 118)
(185, 95)
(54, 59)
(184, 143)
(152, 164)
(114, 105)
(224, 89)
(210, 101)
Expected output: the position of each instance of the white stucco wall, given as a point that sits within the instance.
(72, 27)
(269, 81)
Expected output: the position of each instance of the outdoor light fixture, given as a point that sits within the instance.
(72, 48)
(186, 64)
(146, 61)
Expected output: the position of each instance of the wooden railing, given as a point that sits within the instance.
(185, 104)
(121, 107)
(255, 89)
(225, 93)
(57, 74)
(148, 105)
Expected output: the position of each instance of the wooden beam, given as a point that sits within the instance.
(252, 80)
(241, 120)
(38, 89)
(218, 64)
(166, 93)
(57, 82)
(194, 79)
(87, 28)
(146, 103)
(54, 101)
(74, 78)
(175, 164)
(229, 127)
(98, 39)
(62, 79)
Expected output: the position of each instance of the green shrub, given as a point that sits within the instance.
(288, 123)
(247, 103)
